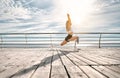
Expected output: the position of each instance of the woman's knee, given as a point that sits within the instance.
(63, 43)
(76, 37)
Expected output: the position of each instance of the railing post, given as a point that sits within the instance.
(100, 40)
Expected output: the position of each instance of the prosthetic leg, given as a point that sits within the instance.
(75, 47)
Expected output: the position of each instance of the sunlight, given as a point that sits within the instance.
(79, 10)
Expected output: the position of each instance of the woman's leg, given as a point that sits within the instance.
(63, 43)
(74, 38)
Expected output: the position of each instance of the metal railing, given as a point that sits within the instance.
(99, 39)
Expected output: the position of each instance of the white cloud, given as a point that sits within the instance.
(12, 10)
(85, 15)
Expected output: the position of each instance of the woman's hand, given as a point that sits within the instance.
(68, 15)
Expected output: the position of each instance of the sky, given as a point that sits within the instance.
(37, 16)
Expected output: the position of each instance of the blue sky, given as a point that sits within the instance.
(50, 15)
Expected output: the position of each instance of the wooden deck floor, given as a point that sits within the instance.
(60, 63)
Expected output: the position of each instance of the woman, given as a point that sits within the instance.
(69, 37)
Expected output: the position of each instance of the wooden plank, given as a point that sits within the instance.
(114, 68)
(90, 72)
(111, 57)
(85, 59)
(108, 72)
(13, 56)
(109, 60)
(100, 57)
(58, 70)
(113, 52)
(99, 60)
(43, 71)
(76, 59)
(15, 63)
(81, 60)
(103, 60)
(27, 71)
(72, 69)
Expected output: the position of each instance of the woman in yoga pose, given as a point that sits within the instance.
(69, 37)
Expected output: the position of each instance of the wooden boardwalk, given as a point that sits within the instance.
(59, 63)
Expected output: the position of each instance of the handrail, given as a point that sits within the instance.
(51, 40)
(65, 33)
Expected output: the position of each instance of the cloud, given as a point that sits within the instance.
(103, 16)
(12, 10)
(41, 4)
(50, 15)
